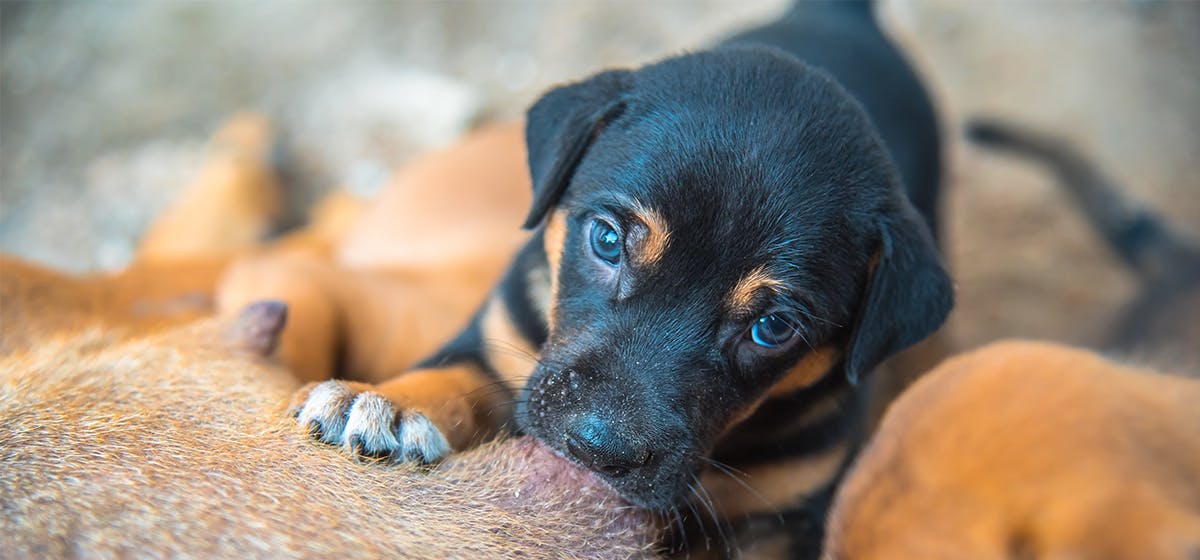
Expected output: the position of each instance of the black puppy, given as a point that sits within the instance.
(723, 247)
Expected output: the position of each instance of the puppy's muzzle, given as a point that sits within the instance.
(597, 443)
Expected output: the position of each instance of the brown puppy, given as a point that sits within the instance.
(407, 271)
(1032, 450)
(178, 444)
(372, 288)
(1029, 450)
(225, 212)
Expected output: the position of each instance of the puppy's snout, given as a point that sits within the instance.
(597, 444)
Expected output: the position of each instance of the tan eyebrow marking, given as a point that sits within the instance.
(650, 245)
(742, 294)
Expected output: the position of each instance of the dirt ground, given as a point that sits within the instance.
(104, 108)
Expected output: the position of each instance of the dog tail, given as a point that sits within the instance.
(1137, 234)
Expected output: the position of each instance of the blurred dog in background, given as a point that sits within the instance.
(1037, 450)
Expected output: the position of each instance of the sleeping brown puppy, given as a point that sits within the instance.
(178, 443)
(1035, 450)
(1028, 450)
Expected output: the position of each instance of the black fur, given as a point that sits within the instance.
(755, 159)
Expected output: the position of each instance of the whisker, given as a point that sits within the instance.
(737, 476)
(728, 540)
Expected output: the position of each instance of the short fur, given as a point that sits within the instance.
(1036, 450)
(178, 444)
(743, 159)
(1028, 450)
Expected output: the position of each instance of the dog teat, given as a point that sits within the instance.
(257, 327)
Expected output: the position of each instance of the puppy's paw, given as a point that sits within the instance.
(366, 424)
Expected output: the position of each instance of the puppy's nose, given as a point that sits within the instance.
(597, 444)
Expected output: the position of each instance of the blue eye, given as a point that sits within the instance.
(772, 330)
(606, 242)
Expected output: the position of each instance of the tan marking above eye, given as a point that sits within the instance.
(649, 244)
(742, 294)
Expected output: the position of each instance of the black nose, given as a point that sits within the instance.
(596, 444)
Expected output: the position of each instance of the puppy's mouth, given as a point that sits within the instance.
(649, 467)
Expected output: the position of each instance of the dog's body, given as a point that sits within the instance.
(130, 431)
(1033, 450)
(1028, 450)
(767, 257)
(178, 444)
(722, 247)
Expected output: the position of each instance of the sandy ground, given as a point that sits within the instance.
(104, 108)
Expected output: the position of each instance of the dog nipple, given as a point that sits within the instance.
(257, 326)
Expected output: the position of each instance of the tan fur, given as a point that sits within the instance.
(742, 295)
(776, 486)
(232, 203)
(408, 273)
(121, 441)
(810, 369)
(650, 236)
(507, 351)
(1029, 450)
(184, 254)
(176, 445)
(554, 236)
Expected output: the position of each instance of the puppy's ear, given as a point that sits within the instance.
(560, 127)
(908, 295)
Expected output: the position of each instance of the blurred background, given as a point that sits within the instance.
(105, 108)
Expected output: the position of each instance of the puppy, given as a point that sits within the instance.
(1034, 450)
(1028, 450)
(176, 444)
(722, 247)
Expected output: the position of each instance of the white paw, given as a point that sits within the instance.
(365, 424)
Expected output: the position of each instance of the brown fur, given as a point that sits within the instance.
(1029, 450)
(409, 271)
(742, 294)
(650, 237)
(807, 371)
(123, 441)
(176, 444)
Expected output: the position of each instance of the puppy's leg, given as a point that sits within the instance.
(309, 344)
(231, 206)
(420, 416)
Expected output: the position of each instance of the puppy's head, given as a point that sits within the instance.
(720, 227)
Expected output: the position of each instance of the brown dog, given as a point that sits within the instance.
(1034, 450)
(371, 289)
(128, 434)
(1029, 450)
(178, 444)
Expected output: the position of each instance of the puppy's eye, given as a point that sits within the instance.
(772, 331)
(606, 242)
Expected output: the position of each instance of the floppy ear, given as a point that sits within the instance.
(908, 295)
(560, 127)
